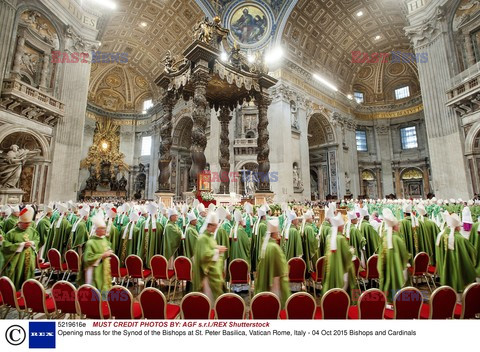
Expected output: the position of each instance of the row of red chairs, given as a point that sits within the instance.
(118, 303)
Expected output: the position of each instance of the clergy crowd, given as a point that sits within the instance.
(212, 237)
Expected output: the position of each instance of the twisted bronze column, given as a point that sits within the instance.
(199, 138)
(168, 103)
(262, 101)
(224, 159)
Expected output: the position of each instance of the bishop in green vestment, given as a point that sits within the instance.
(325, 229)
(43, 228)
(96, 259)
(355, 238)
(272, 271)
(208, 262)
(408, 232)
(12, 220)
(292, 240)
(392, 258)
(310, 242)
(259, 230)
(80, 233)
(191, 235)
(455, 256)
(128, 243)
(172, 238)
(474, 239)
(372, 239)
(428, 231)
(240, 245)
(19, 248)
(339, 268)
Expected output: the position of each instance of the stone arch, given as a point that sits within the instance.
(320, 130)
(182, 132)
(42, 141)
(472, 135)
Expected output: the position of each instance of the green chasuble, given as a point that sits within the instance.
(293, 246)
(113, 236)
(392, 264)
(58, 237)
(10, 223)
(2, 261)
(324, 231)
(128, 242)
(474, 239)
(200, 221)
(2, 222)
(249, 223)
(272, 272)
(20, 266)
(72, 218)
(409, 237)
(222, 237)
(150, 242)
(141, 221)
(79, 237)
(339, 268)
(208, 267)
(310, 245)
(43, 227)
(121, 221)
(191, 237)
(97, 270)
(240, 246)
(371, 237)
(357, 241)
(427, 233)
(262, 230)
(172, 240)
(456, 267)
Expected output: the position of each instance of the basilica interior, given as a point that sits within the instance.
(303, 99)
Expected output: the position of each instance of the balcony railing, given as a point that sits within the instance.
(244, 146)
(30, 102)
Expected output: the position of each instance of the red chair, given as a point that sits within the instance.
(196, 306)
(356, 267)
(432, 273)
(90, 303)
(10, 298)
(117, 272)
(183, 271)
(73, 263)
(470, 307)
(371, 305)
(265, 306)
(239, 271)
(317, 276)
(121, 304)
(335, 304)
(300, 305)
(406, 304)
(160, 271)
(371, 274)
(57, 267)
(442, 304)
(154, 305)
(36, 300)
(229, 306)
(135, 270)
(63, 294)
(296, 270)
(420, 268)
(44, 268)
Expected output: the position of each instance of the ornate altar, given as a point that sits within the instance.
(215, 75)
(105, 163)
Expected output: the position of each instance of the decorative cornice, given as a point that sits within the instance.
(390, 114)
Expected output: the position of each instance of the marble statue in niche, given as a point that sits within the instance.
(348, 182)
(294, 114)
(11, 165)
(297, 180)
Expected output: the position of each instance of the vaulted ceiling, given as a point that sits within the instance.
(320, 35)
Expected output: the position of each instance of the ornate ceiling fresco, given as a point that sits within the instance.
(318, 35)
(321, 35)
(118, 88)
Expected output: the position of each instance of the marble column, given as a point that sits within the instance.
(469, 49)
(44, 73)
(69, 132)
(384, 155)
(362, 190)
(262, 100)
(165, 157)
(17, 61)
(224, 117)
(426, 181)
(430, 35)
(7, 21)
(199, 138)
(398, 184)
(378, 175)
